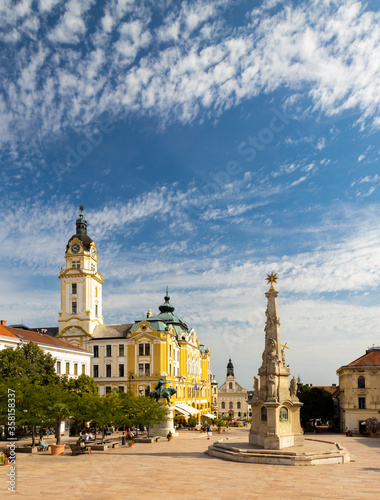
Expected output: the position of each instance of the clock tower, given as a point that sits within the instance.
(81, 288)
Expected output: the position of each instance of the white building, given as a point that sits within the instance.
(70, 359)
(232, 397)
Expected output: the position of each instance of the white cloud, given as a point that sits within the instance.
(192, 63)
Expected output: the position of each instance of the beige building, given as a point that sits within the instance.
(232, 397)
(359, 384)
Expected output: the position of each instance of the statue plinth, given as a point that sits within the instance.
(275, 406)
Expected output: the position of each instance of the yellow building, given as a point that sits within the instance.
(136, 355)
(359, 384)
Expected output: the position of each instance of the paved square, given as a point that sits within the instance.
(180, 470)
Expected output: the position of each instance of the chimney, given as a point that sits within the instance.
(3, 323)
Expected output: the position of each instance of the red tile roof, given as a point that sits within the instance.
(38, 338)
(332, 389)
(371, 358)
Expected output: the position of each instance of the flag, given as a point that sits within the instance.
(196, 387)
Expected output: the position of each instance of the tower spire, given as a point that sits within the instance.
(81, 222)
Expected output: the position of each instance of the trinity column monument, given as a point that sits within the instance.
(275, 406)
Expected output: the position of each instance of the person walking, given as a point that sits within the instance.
(208, 432)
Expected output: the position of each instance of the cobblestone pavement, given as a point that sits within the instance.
(181, 470)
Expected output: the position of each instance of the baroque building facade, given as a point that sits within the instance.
(232, 397)
(131, 356)
(359, 385)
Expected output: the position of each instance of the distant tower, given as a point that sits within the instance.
(81, 288)
(230, 368)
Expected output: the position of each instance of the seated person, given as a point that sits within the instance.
(86, 436)
(83, 446)
(90, 436)
(42, 443)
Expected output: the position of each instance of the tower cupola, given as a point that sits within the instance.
(230, 368)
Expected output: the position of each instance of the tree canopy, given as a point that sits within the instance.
(317, 404)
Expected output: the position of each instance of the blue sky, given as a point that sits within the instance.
(210, 142)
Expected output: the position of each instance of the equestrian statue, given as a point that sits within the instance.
(162, 392)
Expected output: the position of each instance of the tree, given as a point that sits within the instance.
(27, 361)
(317, 404)
(26, 370)
(147, 411)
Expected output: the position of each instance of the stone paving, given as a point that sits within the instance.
(181, 470)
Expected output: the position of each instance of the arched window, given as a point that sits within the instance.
(223, 405)
(361, 382)
(230, 385)
(238, 405)
(264, 415)
(284, 415)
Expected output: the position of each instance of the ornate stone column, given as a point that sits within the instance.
(275, 407)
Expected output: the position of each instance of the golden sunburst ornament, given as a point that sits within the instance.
(271, 278)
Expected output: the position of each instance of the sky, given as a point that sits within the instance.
(211, 142)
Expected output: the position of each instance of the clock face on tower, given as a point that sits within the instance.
(93, 253)
(75, 248)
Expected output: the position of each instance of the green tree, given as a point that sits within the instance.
(29, 362)
(317, 404)
(27, 370)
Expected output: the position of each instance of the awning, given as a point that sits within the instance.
(188, 409)
(178, 408)
(209, 415)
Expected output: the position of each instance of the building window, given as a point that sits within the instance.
(67, 368)
(108, 389)
(141, 369)
(230, 385)
(73, 263)
(96, 371)
(264, 415)
(361, 382)
(284, 415)
(144, 349)
(59, 367)
(121, 370)
(231, 405)
(74, 307)
(121, 349)
(78, 264)
(121, 388)
(147, 369)
(108, 351)
(75, 368)
(108, 371)
(74, 290)
(84, 369)
(96, 351)
(238, 405)
(223, 406)
(96, 309)
(361, 403)
(147, 390)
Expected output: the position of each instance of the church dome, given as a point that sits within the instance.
(81, 232)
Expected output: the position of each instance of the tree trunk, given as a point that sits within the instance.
(33, 438)
(58, 431)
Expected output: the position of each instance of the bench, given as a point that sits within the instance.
(43, 448)
(76, 449)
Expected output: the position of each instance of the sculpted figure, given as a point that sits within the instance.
(293, 387)
(256, 385)
(271, 385)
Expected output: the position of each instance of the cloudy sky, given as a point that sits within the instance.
(211, 142)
